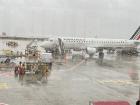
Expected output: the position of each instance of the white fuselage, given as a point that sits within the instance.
(83, 43)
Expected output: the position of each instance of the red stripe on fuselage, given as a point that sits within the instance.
(138, 37)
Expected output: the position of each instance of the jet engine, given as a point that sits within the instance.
(138, 49)
(91, 51)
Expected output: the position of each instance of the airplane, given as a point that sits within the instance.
(93, 45)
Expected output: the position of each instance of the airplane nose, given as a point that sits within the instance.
(42, 45)
(46, 44)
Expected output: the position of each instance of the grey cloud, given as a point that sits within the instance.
(86, 18)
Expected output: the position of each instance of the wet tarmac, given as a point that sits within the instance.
(75, 82)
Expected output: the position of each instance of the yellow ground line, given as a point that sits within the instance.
(128, 82)
(4, 86)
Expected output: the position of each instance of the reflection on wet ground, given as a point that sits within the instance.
(75, 83)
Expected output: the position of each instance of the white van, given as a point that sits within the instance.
(47, 57)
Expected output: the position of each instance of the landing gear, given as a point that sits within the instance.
(133, 52)
(110, 51)
(91, 55)
(128, 52)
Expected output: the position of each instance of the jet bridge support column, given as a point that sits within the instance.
(101, 56)
(61, 47)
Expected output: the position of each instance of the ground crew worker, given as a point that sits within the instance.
(21, 71)
(45, 71)
(45, 74)
(19, 66)
(23, 68)
(16, 71)
(20, 63)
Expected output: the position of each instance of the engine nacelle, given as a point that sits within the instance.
(91, 51)
(77, 53)
(138, 49)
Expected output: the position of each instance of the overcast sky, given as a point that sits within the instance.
(84, 18)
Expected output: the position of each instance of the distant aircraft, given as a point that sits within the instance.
(93, 45)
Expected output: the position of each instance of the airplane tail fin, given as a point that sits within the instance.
(136, 35)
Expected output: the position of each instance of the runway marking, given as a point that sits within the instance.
(75, 66)
(4, 86)
(6, 74)
(80, 79)
(118, 82)
(3, 104)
